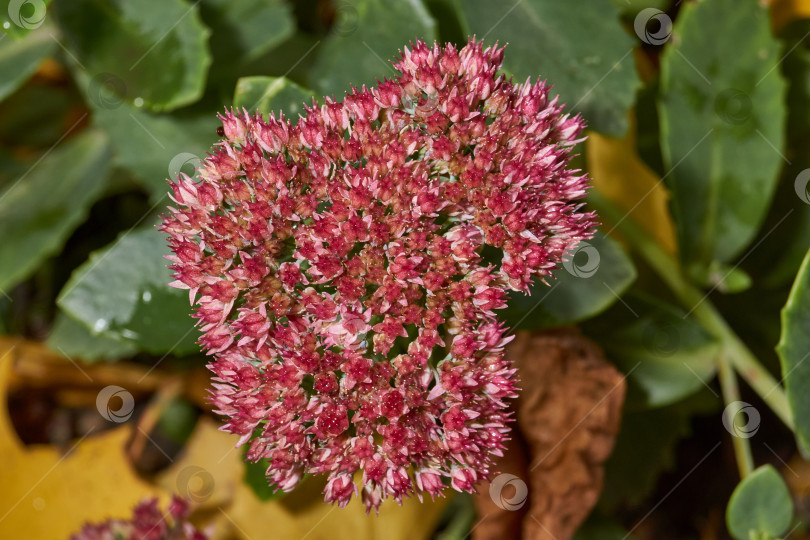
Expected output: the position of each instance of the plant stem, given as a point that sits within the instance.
(731, 395)
(740, 357)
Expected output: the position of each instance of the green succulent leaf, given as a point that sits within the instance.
(592, 278)
(151, 52)
(271, 95)
(794, 352)
(366, 36)
(122, 293)
(666, 355)
(631, 8)
(447, 19)
(292, 59)
(783, 253)
(243, 30)
(71, 338)
(760, 507)
(722, 119)
(40, 209)
(584, 53)
(155, 147)
(20, 59)
(11, 168)
(19, 17)
(785, 250)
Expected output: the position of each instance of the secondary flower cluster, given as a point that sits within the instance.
(347, 268)
(148, 523)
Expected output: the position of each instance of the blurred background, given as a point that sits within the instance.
(698, 120)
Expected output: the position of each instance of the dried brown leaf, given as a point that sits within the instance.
(568, 415)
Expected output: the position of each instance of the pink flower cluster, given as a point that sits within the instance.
(148, 523)
(349, 266)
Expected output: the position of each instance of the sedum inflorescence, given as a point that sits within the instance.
(148, 522)
(347, 269)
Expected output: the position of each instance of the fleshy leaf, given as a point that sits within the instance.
(19, 17)
(70, 337)
(121, 292)
(722, 120)
(794, 352)
(152, 50)
(760, 506)
(783, 253)
(631, 8)
(40, 209)
(178, 421)
(155, 147)
(587, 284)
(242, 30)
(20, 59)
(271, 94)
(585, 53)
(366, 36)
(601, 528)
(667, 356)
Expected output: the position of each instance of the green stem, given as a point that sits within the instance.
(740, 357)
(731, 395)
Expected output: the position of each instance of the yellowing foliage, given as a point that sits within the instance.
(620, 175)
(48, 493)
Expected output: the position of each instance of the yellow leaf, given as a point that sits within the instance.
(620, 175)
(48, 494)
(210, 473)
(209, 468)
(305, 515)
(45, 494)
(785, 11)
